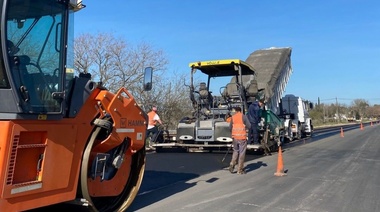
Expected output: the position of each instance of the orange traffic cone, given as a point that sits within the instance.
(280, 164)
(361, 126)
(341, 132)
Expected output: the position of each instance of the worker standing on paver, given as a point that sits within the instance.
(239, 125)
(152, 129)
(254, 118)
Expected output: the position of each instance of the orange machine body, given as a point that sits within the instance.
(40, 159)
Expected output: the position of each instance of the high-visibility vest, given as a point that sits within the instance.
(238, 127)
(151, 115)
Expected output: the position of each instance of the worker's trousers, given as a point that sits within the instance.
(238, 155)
(154, 132)
(253, 134)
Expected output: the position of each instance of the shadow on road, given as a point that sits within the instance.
(155, 181)
(254, 166)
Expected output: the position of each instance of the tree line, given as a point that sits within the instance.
(358, 110)
(115, 63)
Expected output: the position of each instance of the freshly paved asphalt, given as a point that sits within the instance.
(324, 173)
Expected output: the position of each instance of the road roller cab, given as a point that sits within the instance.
(62, 137)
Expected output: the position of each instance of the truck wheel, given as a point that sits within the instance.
(299, 132)
(311, 131)
(290, 137)
(101, 194)
(289, 134)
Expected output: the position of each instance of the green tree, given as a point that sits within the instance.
(360, 107)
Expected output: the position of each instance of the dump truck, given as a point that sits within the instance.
(273, 69)
(295, 112)
(63, 138)
(207, 129)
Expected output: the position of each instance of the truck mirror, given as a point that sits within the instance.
(148, 78)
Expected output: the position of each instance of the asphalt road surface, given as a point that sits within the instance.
(332, 173)
(325, 173)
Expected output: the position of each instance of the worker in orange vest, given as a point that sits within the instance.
(239, 125)
(154, 118)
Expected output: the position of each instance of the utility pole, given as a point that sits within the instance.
(337, 109)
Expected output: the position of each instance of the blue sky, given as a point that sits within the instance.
(336, 43)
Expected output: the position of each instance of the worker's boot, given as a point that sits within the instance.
(241, 171)
(231, 168)
(267, 153)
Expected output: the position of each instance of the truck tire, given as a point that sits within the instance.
(299, 132)
(290, 137)
(311, 131)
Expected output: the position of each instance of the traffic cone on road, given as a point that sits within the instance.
(280, 164)
(361, 126)
(371, 124)
(341, 132)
